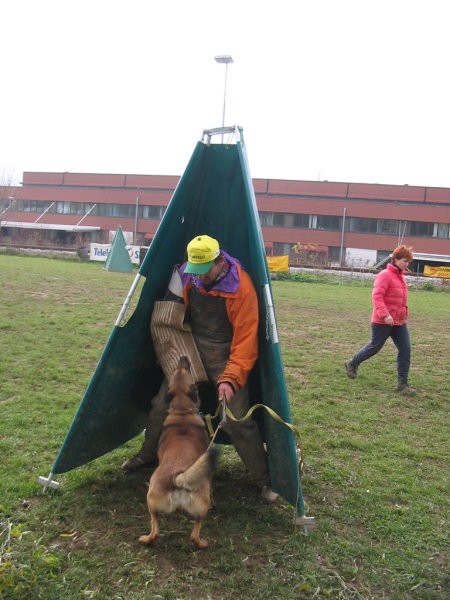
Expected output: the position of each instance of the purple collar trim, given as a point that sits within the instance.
(229, 284)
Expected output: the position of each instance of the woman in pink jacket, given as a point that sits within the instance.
(389, 318)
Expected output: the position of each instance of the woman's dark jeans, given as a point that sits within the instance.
(400, 337)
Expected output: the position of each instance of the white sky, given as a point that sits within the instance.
(342, 90)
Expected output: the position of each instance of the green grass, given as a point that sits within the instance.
(376, 463)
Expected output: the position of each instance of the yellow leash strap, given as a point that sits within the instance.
(209, 425)
(227, 413)
(208, 419)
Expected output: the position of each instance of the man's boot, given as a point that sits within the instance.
(146, 457)
(404, 388)
(148, 454)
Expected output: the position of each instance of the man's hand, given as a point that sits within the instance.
(226, 391)
(389, 320)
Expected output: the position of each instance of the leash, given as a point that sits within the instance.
(208, 420)
(226, 412)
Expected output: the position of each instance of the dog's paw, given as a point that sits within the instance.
(199, 542)
(147, 539)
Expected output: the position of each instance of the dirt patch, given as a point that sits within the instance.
(297, 374)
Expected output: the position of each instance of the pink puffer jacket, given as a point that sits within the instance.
(390, 296)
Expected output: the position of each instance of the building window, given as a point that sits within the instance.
(63, 208)
(443, 230)
(279, 219)
(312, 222)
(388, 226)
(301, 221)
(289, 220)
(280, 248)
(103, 210)
(151, 212)
(266, 219)
(328, 222)
(360, 225)
(126, 211)
(78, 208)
(32, 206)
(420, 229)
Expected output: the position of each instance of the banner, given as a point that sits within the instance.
(100, 252)
(278, 264)
(443, 272)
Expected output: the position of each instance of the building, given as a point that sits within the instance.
(315, 222)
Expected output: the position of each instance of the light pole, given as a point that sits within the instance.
(224, 59)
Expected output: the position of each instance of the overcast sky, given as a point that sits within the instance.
(337, 90)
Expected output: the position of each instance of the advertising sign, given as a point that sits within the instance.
(100, 252)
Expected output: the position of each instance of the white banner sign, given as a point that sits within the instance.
(100, 252)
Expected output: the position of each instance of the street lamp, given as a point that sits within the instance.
(224, 59)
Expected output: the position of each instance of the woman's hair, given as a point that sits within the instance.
(402, 252)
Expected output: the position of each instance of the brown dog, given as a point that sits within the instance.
(183, 478)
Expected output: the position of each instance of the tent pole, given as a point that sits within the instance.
(273, 325)
(124, 308)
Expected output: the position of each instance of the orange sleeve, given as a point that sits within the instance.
(243, 314)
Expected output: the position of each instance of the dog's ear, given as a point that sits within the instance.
(193, 392)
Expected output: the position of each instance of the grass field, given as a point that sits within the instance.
(376, 462)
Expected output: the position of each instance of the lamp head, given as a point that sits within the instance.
(224, 59)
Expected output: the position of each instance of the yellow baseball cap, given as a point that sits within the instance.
(202, 251)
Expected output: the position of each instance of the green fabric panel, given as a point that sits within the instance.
(215, 196)
(118, 257)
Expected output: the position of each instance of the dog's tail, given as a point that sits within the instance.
(194, 477)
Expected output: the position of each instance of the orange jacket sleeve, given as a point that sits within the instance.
(243, 314)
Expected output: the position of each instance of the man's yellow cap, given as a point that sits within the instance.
(202, 251)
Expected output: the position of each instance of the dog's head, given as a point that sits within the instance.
(182, 392)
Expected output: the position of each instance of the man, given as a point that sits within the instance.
(222, 306)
